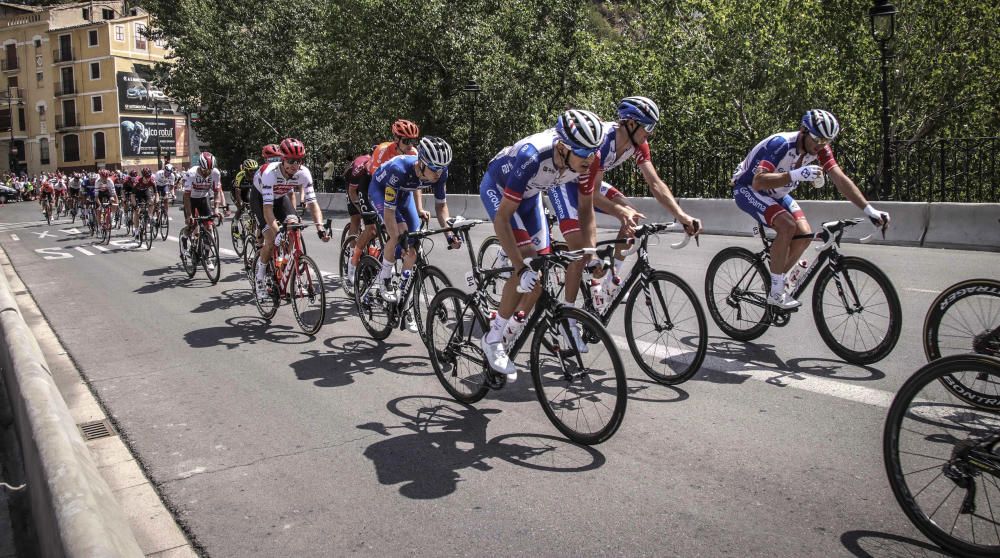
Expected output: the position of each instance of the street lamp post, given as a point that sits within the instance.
(883, 26)
(472, 87)
(156, 113)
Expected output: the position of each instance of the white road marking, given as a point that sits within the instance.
(83, 251)
(70, 231)
(14, 237)
(929, 291)
(101, 248)
(43, 234)
(53, 253)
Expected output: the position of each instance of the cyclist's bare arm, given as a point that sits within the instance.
(847, 187)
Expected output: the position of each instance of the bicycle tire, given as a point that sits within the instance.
(148, 230)
(895, 317)
(585, 391)
(688, 362)
(913, 405)
(267, 307)
(236, 233)
(368, 302)
(429, 282)
(313, 290)
(188, 263)
(742, 296)
(48, 216)
(346, 250)
(487, 258)
(164, 224)
(209, 256)
(968, 330)
(452, 323)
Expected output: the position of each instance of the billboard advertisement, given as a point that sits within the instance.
(140, 136)
(138, 95)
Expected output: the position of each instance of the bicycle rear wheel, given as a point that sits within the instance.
(375, 313)
(430, 281)
(964, 318)
(454, 327)
(583, 393)
(267, 306)
(736, 288)
(942, 457)
(666, 332)
(236, 232)
(860, 318)
(308, 296)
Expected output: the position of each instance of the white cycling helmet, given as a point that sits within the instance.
(434, 152)
(821, 124)
(581, 130)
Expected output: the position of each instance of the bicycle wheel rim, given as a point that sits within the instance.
(268, 306)
(372, 310)
(431, 281)
(308, 296)
(665, 328)
(585, 403)
(963, 319)
(927, 435)
(346, 251)
(736, 289)
(210, 261)
(454, 328)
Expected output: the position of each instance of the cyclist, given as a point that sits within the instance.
(126, 188)
(104, 189)
(763, 182)
(61, 190)
(141, 191)
(242, 185)
(392, 191)
(405, 134)
(201, 184)
(75, 193)
(357, 177)
(510, 191)
(164, 179)
(270, 202)
(623, 140)
(47, 192)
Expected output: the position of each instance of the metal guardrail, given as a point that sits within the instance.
(948, 170)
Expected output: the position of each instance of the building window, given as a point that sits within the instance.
(39, 78)
(95, 70)
(86, 14)
(38, 43)
(99, 145)
(43, 149)
(97, 104)
(140, 36)
(71, 148)
(92, 37)
(107, 14)
(21, 120)
(119, 33)
(41, 112)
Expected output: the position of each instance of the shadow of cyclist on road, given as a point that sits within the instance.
(350, 356)
(242, 330)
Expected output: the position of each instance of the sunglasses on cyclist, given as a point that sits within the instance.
(293, 161)
(409, 141)
(820, 141)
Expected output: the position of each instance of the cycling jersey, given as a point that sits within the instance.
(273, 184)
(779, 153)
(357, 171)
(202, 186)
(163, 180)
(74, 184)
(385, 151)
(59, 186)
(260, 172)
(47, 187)
(398, 177)
(145, 183)
(239, 179)
(104, 185)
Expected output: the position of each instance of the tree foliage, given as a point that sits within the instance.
(726, 73)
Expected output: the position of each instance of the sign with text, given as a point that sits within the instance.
(138, 95)
(140, 136)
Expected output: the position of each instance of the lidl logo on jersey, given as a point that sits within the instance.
(390, 195)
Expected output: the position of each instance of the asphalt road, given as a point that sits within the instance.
(268, 442)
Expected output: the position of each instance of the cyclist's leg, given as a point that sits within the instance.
(407, 216)
(353, 211)
(800, 241)
(565, 200)
(770, 212)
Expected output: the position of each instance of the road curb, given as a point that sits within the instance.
(75, 510)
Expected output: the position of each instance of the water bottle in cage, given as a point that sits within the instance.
(795, 274)
(404, 284)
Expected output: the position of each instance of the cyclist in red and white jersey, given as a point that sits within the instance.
(202, 193)
(144, 191)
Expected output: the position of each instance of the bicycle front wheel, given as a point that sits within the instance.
(859, 318)
(209, 256)
(430, 281)
(267, 305)
(736, 287)
(346, 251)
(964, 318)
(308, 296)
(665, 328)
(583, 392)
(164, 224)
(942, 457)
(490, 256)
(374, 312)
(454, 327)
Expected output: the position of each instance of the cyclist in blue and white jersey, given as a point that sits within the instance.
(623, 140)
(763, 182)
(392, 191)
(511, 190)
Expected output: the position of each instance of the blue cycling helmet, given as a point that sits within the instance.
(821, 124)
(581, 130)
(641, 109)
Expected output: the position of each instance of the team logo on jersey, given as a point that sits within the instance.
(390, 194)
(506, 168)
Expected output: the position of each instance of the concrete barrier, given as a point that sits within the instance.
(975, 226)
(972, 226)
(74, 510)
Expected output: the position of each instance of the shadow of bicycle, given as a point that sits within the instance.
(440, 438)
(873, 544)
(245, 330)
(350, 356)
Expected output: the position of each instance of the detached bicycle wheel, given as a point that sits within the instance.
(308, 296)
(942, 457)
(267, 306)
(374, 312)
(736, 287)
(665, 328)
(582, 392)
(857, 311)
(430, 281)
(454, 327)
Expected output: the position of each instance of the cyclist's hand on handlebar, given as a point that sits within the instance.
(807, 173)
(425, 216)
(629, 218)
(323, 234)
(454, 241)
(527, 278)
(878, 218)
(692, 226)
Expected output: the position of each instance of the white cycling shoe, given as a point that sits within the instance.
(783, 301)
(496, 357)
(411, 324)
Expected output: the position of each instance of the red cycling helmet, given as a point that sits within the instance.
(206, 161)
(270, 150)
(292, 148)
(133, 174)
(405, 129)
(105, 173)
(146, 173)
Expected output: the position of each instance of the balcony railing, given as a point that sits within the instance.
(68, 120)
(63, 88)
(9, 65)
(62, 55)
